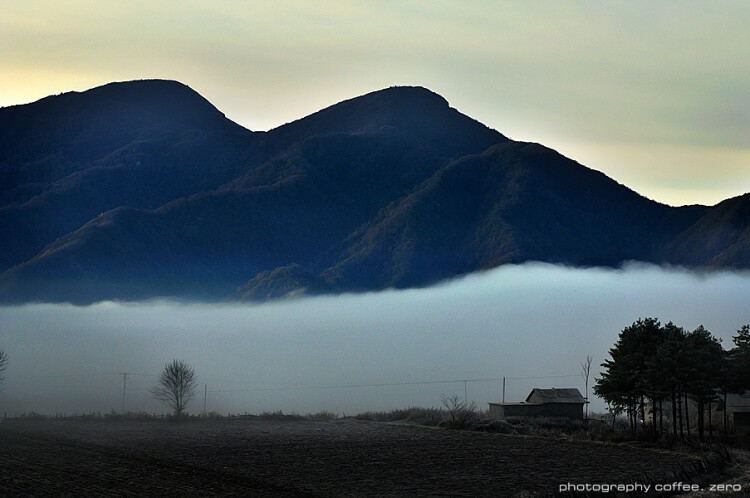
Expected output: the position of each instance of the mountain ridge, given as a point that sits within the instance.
(150, 191)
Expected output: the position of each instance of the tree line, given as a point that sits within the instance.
(665, 365)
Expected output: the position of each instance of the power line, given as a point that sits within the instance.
(73, 376)
(280, 388)
(541, 377)
(386, 384)
(61, 376)
(118, 374)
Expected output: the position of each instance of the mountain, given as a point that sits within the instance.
(143, 189)
(718, 239)
(66, 159)
(514, 202)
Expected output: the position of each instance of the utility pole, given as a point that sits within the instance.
(466, 399)
(205, 393)
(503, 389)
(124, 381)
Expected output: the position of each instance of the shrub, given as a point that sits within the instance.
(322, 416)
(461, 414)
(277, 416)
(414, 414)
(498, 426)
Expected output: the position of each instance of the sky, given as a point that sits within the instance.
(532, 324)
(654, 94)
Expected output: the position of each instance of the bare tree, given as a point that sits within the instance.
(3, 364)
(176, 387)
(585, 373)
(461, 412)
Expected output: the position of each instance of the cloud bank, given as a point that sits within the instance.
(532, 324)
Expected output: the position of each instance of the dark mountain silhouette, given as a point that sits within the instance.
(143, 189)
(719, 239)
(66, 159)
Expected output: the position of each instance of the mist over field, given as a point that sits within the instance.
(532, 323)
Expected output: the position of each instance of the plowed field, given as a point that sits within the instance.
(340, 458)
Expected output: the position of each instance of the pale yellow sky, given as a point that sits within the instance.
(654, 94)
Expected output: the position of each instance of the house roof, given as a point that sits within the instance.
(554, 395)
(738, 402)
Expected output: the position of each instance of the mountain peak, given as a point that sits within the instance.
(411, 95)
(148, 92)
(154, 85)
(410, 110)
(164, 101)
(168, 98)
(392, 103)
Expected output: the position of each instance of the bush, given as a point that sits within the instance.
(416, 415)
(138, 415)
(32, 415)
(278, 416)
(322, 416)
(461, 414)
(498, 426)
(426, 416)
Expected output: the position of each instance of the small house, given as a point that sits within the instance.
(559, 403)
(738, 409)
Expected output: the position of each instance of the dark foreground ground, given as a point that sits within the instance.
(340, 458)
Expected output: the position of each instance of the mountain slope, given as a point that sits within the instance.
(143, 189)
(44, 141)
(718, 239)
(513, 203)
(65, 159)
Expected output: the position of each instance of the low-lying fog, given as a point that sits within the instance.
(532, 324)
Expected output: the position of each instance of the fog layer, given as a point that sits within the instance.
(532, 324)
